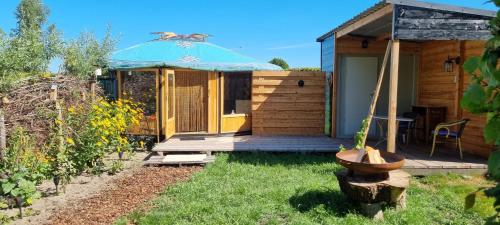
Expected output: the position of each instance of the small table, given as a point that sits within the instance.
(383, 133)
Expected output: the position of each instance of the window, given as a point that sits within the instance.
(140, 87)
(170, 95)
(237, 93)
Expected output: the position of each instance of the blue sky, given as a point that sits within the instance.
(262, 29)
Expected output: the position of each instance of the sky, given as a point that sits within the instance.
(262, 29)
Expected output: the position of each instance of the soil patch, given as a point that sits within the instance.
(124, 196)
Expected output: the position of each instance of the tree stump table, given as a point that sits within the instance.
(373, 194)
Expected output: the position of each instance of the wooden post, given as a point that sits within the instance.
(393, 98)
(377, 90)
(53, 92)
(3, 136)
(92, 89)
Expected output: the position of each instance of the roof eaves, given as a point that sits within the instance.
(383, 3)
(365, 13)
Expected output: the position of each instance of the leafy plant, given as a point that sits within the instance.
(483, 97)
(116, 167)
(358, 139)
(84, 55)
(29, 48)
(98, 129)
(16, 185)
(21, 155)
(280, 62)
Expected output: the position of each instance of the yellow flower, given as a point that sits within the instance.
(70, 141)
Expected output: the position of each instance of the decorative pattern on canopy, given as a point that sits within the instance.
(185, 54)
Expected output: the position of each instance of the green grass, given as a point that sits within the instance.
(255, 188)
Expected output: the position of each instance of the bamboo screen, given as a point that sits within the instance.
(191, 101)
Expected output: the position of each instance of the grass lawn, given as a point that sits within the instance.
(259, 188)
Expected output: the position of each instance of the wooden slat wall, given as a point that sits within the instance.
(473, 140)
(437, 87)
(281, 107)
(191, 101)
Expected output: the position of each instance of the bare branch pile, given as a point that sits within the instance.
(28, 104)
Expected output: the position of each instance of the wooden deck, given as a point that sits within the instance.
(250, 144)
(418, 161)
(443, 161)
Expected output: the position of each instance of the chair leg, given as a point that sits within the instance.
(408, 133)
(433, 145)
(459, 142)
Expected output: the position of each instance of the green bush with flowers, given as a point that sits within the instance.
(21, 169)
(96, 130)
(79, 141)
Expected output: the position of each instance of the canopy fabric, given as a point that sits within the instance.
(185, 54)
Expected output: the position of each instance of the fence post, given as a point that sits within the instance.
(3, 136)
(58, 122)
(92, 89)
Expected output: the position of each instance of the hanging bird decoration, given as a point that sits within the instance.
(173, 36)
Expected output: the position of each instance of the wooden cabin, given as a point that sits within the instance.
(429, 44)
(191, 87)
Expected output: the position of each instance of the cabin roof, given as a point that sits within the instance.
(411, 3)
(197, 55)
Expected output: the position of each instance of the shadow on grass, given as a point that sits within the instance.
(284, 159)
(333, 201)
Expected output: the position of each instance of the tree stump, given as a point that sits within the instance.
(374, 194)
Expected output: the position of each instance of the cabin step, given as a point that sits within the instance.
(180, 159)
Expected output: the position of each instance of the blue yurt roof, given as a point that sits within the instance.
(197, 55)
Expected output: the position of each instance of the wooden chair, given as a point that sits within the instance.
(443, 131)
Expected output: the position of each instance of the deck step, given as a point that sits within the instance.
(180, 159)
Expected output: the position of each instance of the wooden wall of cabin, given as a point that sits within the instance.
(438, 87)
(473, 140)
(281, 107)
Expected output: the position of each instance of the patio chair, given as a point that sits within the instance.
(443, 131)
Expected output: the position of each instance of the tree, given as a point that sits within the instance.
(29, 49)
(83, 55)
(483, 97)
(280, 62)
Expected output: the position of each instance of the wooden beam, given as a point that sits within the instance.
(334, 89)
(119, 84)
(392, 128)
(377, 91)
(157, 91)
(385, 36)
(365, 20)
(459, 82)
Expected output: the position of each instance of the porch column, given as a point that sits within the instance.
(392, 129)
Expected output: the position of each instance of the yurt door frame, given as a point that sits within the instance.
(168, 97)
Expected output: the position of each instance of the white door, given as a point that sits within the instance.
(358, 78)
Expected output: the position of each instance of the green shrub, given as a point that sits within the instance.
(97, 130)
